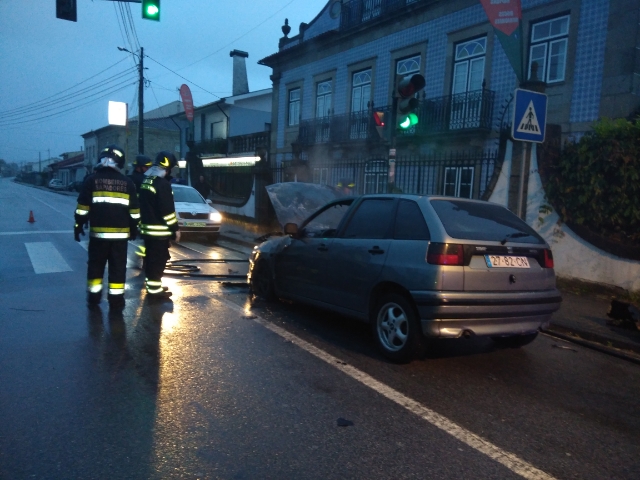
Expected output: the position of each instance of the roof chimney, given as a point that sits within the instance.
(240, 82)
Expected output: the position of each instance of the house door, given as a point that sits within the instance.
(466, 91)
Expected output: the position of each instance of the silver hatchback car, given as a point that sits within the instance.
(415, 267)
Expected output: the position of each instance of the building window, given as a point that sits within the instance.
(361, 91)
(376, 177)
(458, 181)
(371, 9)
(321, 176)
(323, 99)
(548, 48)
(408, 66)
(294, 106)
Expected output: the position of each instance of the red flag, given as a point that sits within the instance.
(504, 15)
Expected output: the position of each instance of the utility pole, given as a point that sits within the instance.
(140, 97)
(141, 105)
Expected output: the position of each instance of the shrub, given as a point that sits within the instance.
(595, 183)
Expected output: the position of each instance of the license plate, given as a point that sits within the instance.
(195, 224)
(504, 261)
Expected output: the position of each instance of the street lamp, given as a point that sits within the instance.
(140, 98)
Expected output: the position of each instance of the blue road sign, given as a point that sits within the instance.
(529, 116)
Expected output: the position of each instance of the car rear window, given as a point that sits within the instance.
(483, 221)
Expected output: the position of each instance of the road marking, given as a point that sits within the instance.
(509, 460)
(45, 258)
(32, 232)
(64, 214)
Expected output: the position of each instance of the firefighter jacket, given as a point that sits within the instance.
(157, 211)
(108, 201)
(138, 178)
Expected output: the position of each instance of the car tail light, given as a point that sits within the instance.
(445, 254)
(548, 258)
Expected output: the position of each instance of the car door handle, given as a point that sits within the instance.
(376, 251)
(323, 247)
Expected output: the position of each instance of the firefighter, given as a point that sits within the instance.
(108, 202)
(158, 223)
(141, 164)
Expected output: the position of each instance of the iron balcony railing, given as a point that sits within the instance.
(451, 113)
(342, 128)
(357, 12)
(464, 112)
(249, 143)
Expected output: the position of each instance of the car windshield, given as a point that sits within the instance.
(483, 221)
(187, 195)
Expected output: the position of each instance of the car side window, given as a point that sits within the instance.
(410, 224)
(372, 219)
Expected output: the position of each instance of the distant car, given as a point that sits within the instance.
(196, 216)
(74, 186)
(413, 267)
(56, 184)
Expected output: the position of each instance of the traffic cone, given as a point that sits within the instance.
(31, 219)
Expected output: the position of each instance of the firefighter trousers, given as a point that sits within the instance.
(157, 255)
(101, 252)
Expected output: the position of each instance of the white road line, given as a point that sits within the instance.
(45, 258)
(509, 460)
(64, 214)
(33, 232)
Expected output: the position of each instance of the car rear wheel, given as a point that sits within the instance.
(515, 341)
(396, 328)
(261, 282)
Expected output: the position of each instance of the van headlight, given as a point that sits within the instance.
(215, 217)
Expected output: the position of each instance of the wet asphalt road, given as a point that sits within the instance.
(207, 386)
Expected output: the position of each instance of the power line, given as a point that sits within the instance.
(186, 79)
(40, 106)
(65, 90)
(115, 89)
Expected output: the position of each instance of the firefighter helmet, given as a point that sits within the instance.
(166, 160)
(142, 161)
(111, 156)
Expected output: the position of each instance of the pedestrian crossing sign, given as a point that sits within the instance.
(529, 116)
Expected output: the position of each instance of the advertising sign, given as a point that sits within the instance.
(187, 101)
(505, 16)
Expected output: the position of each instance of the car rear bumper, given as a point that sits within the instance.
(453, 314)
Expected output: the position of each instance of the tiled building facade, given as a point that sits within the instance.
(331, 76)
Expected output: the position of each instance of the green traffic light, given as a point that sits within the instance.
(151, 10)
(408, 121)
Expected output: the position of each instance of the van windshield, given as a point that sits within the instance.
(483, 221)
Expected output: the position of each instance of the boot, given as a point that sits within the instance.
(160, 296)
(116, 302)
(94, 298)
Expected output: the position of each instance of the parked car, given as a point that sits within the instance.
(74, 186)
(415, 267)
(196, 216)
(56, 184)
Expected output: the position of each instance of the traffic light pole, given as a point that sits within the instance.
(391, 179)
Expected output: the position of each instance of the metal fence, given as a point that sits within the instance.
(458, 174)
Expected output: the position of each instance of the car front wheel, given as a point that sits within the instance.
(515, 341)
(396, 328)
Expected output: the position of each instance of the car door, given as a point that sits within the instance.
(300, 267)
(358, 254)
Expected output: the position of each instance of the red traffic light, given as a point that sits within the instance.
(408, 86)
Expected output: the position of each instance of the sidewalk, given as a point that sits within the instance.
(582, 317)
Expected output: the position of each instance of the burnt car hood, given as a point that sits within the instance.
(294, 202)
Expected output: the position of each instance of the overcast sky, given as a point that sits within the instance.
(57, 76)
